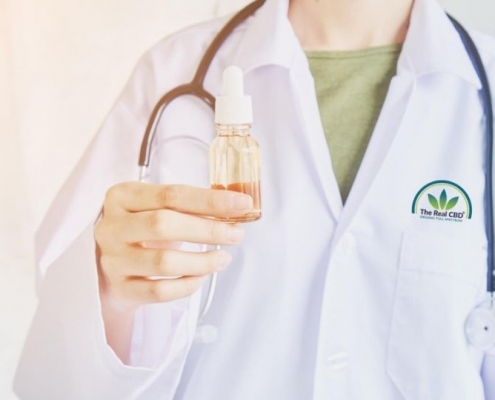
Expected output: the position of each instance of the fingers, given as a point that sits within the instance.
(140, 233)
(164, 225)
(136, 197)
(138, 262)
(145, 291)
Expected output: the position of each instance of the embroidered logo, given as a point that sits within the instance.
(442, 201)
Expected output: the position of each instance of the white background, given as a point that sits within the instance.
(62, 64)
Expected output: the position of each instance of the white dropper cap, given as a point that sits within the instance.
(233, 107)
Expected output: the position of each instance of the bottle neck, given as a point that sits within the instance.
(233, 130)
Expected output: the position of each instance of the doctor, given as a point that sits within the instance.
(336, 293)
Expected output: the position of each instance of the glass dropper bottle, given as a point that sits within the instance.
(234, 155)
(234, 165)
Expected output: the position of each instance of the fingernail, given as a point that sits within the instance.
(235, 234)
(243, 202)
(223, 259)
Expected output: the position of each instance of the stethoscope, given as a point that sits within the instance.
(480, 324)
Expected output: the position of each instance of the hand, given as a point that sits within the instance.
(140, 232)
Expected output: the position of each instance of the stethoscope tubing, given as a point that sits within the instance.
(486, 98)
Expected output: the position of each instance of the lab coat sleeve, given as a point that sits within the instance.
(66, 355)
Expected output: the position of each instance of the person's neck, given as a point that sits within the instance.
(341, 25)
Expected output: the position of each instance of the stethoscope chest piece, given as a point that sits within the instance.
(480, 328)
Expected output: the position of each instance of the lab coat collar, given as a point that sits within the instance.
(269, 38)
(432, 44)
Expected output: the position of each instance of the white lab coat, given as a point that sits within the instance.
(366, 301)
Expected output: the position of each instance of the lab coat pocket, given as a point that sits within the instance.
(438, 281)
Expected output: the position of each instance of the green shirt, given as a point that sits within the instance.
(351, 87)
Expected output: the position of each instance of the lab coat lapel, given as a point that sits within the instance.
(387, 128)
(269, 40)
(308, 112)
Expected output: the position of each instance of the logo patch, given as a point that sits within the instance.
(442, 201)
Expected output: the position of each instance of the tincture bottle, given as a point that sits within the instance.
(234, 155)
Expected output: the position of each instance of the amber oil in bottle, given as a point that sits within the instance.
(234, 155)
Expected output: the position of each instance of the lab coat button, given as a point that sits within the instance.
(206, 334)
(337, 362)
(347, 244)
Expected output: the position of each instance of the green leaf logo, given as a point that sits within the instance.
(433, 201)
(452, 202)
(441, 203)
(443, 199)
